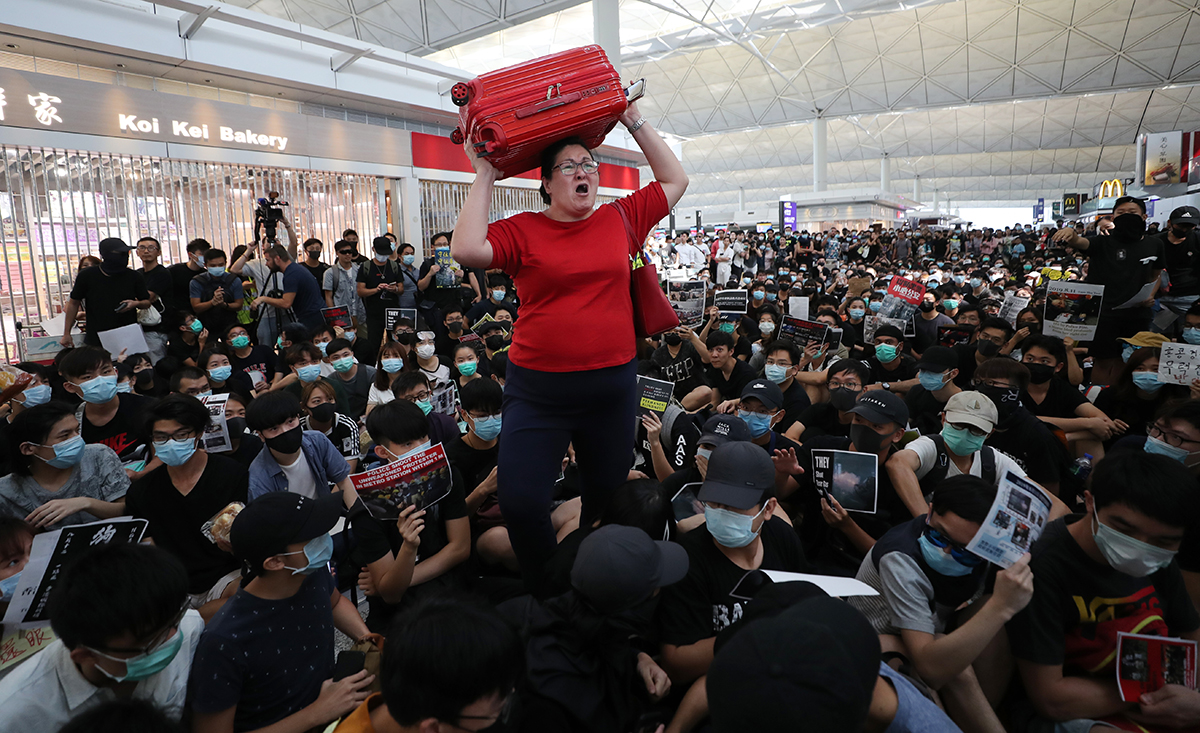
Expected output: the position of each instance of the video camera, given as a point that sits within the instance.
(268, 214)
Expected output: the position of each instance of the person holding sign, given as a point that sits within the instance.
(681, 360)
(891, 369)
(1117, 561)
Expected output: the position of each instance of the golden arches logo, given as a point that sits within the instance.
(1112, 189)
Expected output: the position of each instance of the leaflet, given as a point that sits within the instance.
(1017, 517)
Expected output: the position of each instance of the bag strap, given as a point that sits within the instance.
(629, 235)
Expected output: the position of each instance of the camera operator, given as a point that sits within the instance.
(300, 293)
(268, 215)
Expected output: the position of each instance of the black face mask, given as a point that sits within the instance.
(1033, 327)
(1129, 226)
(988, 348)
(115, 262)
(842, 399)
(236, 425)
(927, 307)
(144, 378)
(865, 439)
(1040, 373)
(672, 339)
(495, 343)
(288, 442)
(406, 338)
(1006, 399)
(323, 413)
(454, 326)
(1180, 233)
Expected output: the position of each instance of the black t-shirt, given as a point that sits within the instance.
(1122, 267)
(180, 299)
(795, 403)
(471, 464)
(822, 419)
(1079, 605)
(1031, 443)
(102, 293)
(179, 349)
(966, 364)
(175, 519)
(906, 369)
(158, 281)
(1183, 263)
(318, 272)
(700, 605)
(260, 359)
(371, 274)
(1134, 411)
(248, 449)
(440, 295)
(730, 389)
(684, 369)
(123, 433)
(924, 410)
(1061, 400)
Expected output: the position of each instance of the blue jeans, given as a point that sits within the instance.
(544, 412)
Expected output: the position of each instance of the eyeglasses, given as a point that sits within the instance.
(852, 386)
(418, 397)
(159, 639)
(1173, 439)
(482, 417)
(977, 432)
(345, 251)
(758, 411)
(569, 167)
(184, 434)
(957, 551)
(500, 717)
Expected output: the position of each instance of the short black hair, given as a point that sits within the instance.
(296, 332)
(1126, 199)
(186, 372)
(452, 308)
(122, 716)
(497, 279)
(313, 240)
(1002, 367)
(214, 350)
(304, 348)
(448, 235)
(337, 345)
(272, 408)
(1000, 325)
(1050, 344)
(213, 253)
(399, 421)
(1157, 486)
(13, 531)
(549, 155)
(407, 380)
(349, 233)
(794, 352)
(1186, 410)
(970, 497)
(83, 360)
(641, 503)
(183, 409)
(444, 654)
(44, 372)
(33, 426)
(117, 588)
(854, 366)
(198, 245)
(499, 364)
(718, 338)
(482, 395)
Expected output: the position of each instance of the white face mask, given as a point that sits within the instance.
(1127, 555)
(424, 351)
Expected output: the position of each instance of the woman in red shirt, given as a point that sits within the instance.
(572, 366)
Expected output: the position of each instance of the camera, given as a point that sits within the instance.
(268, 214)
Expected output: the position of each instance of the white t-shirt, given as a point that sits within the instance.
(300, 477)
(377, 396)
(927, 452)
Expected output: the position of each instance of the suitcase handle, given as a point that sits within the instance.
(546, 104)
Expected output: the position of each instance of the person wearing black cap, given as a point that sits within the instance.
(991, 336)
(113, 293)
(936, 371)
(740, 533)
(761, 408)
(1182, 247)
(266, 658)
(717, 431)
(890, 368)
(379, 286)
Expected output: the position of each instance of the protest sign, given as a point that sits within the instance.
(392, 315)
(1179, 363)
(338, 316)
(731, 301)
(850, 478)
(1072, 310)
(902, 299)
(803, 332)
(51, 552)
(17, 645)
(1015, 521)
(951, 336)
(653, 395)
(1149, 663)
(129, 339)
(837, 587)
(444, 398)
(857, 286)
(445, 276)
(216, 436)
(687, 298)
(798, 307)
(1013, 304)
(874, 323)
(419, 479)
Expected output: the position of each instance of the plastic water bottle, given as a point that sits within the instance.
(1082, 467)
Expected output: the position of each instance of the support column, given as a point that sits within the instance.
(885, 173)
(382, 193)
(741, 198)
(606, 25)
(935, 202)
(406, 209)
(819, 158)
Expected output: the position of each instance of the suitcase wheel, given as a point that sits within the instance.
(459, 94)
(456, 137)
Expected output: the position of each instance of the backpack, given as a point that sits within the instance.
(941, 465)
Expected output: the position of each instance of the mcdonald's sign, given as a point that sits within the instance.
(1070, 204)
(1111, 189)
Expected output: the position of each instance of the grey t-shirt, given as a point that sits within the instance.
(99, 475)
(905, 596)
(915, 713)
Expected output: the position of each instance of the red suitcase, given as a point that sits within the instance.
(511, 115)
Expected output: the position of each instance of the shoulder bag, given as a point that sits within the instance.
(652, 312)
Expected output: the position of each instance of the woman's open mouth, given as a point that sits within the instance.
(582, 189)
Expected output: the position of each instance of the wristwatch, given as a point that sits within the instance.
(886, 385)
(637, 125)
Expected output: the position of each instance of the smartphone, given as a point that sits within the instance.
(348, 663)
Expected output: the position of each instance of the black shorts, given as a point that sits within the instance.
(1116, 325)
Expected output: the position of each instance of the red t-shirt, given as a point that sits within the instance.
(573, 277)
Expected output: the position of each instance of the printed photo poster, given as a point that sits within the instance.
(1017, 517)
(418, 479)
(50, 553)
(1072, 309)
(802, 332)
(1013, 304)
(338, 317)
(392, 315)
(445, 277)
(731, 301)
(487, 318)
(850, 478)
(903, 299)
(951, 336)
(216, 437)
(1149, 663)
(873, 323)
(687, 299)
(653, 395)
(444, 398)
(1179, 363)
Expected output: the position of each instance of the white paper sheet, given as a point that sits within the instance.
(128, 338)
(831, 584)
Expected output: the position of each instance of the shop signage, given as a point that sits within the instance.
(1111, 189)
(1070, 204)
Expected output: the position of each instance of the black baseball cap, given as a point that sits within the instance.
(1186, 215)
(879, 406)
(739, 475)
(275, 520)
(722, 429)
(813, 667)
(766, 392)
(938, 359)
(890, 330)
(381, 245)
(618, 567)
(113, 245)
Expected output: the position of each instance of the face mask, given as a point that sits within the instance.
(865, 439)
(199, 260)
(99, 390)
(323, 413)
(407, 338)
(145, 665)
(927, 307)
(1129, 226)
(314, 254)
(931, 381)
(175, 452)
(425, 405)
(309, 372)
(842, 398)
(875, 305)
(1161, 448)
(116, 262)
(409, 259)
(412, 452)
(67, 453)
(670, 339)
(949, 304)
(1147, 381)
(287, 442)
(343, 365)
(239, 342)
(775, 373)
(38, 394)
(424, 351)
(704, 453)
(886, 353)
(976, 282)
(467, 368)
(766, 327)
(961, 442)
(205, 393)
(8, 587)
(857, 313)
(349, 336)
(495, 343)
(1006, 399)
(942, 563)
(1027, 268)
(498, 294)
(726, 327)
(758, 424)
(381, 258)
(758, 295)
(322, 345)
(216, 271)
(318, 552)
(220, 374)
(1127, 555)
(731, 529)
(959, 279)
(1126, 352)
(1040, 373)
(488, 428)
(772, 296)
(196, 326)
(1190, 335)
(124, 388)
(236, 425)
(454, 326)
(392, 365)
(988, 348)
